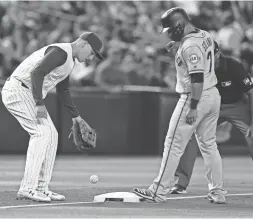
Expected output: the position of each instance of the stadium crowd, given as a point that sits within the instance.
(133, 47)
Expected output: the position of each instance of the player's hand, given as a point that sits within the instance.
(191, 116)
(249, 133)
(41, 111)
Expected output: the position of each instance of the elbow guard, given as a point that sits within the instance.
(197, 78)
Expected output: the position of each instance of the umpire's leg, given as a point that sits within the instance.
(239, 116)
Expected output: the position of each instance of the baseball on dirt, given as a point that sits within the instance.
(94, 179)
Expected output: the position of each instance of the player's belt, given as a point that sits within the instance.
(21, 83)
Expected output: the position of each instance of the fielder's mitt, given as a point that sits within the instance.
(84, 136)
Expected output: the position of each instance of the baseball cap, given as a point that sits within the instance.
(94, 41)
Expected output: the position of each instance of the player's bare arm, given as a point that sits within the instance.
(197, 80)
(54, 57)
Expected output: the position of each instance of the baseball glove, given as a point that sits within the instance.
(84, 136)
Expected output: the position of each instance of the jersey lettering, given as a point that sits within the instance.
(195, 55)
(207, 43)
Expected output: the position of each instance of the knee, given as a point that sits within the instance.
(175, 143)
(48, 132)
(208, 145)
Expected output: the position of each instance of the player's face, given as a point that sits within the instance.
(176, 32)
(85, 53)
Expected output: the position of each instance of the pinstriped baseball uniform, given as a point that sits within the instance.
(20, 98)
(22, 72)
(195, 55)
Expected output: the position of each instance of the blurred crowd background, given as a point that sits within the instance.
(134, 50)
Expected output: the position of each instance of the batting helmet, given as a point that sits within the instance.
(173, 21)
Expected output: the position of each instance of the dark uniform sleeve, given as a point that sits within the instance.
(54, 57)
(64, 96)
(243, 77)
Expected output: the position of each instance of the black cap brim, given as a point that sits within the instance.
(94, 41)
(99, 55)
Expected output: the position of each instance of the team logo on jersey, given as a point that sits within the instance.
(193, 58)
(247, 81)
(226, 83)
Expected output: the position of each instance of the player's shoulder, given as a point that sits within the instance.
(59, 46)
(56, 49)
(66, 47)
(196, 35)
(191, 47)
(56, 54)
(194, 39)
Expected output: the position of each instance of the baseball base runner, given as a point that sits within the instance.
(236, 90)
(196, 111)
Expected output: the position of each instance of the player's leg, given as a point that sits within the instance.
(48, 165)
(19, 102)
(185, 168)
(177, 137)
(206, 138)
(239, 115)
(176, 140)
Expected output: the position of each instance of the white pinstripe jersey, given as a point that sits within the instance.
(23, 71)
(195, 55)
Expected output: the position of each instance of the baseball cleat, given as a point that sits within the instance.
(216, 197)
(143, 193)
(33, 195)
(54, 196)
(178, 189)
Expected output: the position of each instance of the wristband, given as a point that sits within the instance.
(40, 103)
(194, 103)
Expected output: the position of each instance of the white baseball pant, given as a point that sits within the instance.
(43, 141)
(178, 135)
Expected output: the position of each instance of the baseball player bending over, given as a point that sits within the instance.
(233, 83)
(197, 109)
(23, 95)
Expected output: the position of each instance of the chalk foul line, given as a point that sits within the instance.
(78, 203)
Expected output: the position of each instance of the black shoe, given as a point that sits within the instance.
(143, 193)
(178, 189)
